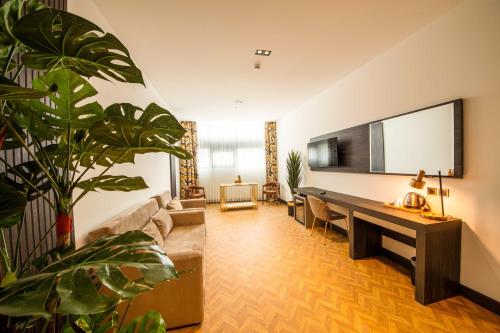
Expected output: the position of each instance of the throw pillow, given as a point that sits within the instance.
(164, 222)
(175, 204)
(150, 229)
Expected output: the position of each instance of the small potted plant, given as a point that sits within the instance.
(294, 175)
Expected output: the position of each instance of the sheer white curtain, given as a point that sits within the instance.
(229, 149)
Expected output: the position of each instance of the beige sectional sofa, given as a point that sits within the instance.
(182, 236)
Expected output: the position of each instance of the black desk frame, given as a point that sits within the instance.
(437, 275)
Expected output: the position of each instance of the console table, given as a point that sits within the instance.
(225, 205)
(437, 274)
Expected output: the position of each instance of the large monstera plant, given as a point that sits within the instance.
(65, 139)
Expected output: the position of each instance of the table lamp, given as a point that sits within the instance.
(414, 200)
(418, 182)
(442, 192)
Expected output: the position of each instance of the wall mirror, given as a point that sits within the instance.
(428, 139)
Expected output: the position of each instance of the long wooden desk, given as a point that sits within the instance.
(437, 275)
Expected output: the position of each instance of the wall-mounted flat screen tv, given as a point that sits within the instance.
(323, 153)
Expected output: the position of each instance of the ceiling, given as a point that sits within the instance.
(199, 55)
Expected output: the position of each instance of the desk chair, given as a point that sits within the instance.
(321, 212)
(270, 190)
(195, 192)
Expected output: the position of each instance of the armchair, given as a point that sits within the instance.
(271, 192)
(195, 192)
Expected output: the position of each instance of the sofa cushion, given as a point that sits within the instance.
(164, 222)
(163, 199)
(175, 204)
(187, 217)
(151, 229)
(194, 203)
(185, 238)
(132, 219)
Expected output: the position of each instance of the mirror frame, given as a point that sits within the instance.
(458, 139)
(458, 143)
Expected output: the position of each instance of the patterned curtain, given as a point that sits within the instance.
(188, 169)
(271, 152)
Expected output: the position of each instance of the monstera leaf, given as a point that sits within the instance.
(125, 139)
(151, 322)
(155, 116)
(12, 205)
(18, 113)
(67, 283)
(113, 183)
(10, 13)
(96, 323)
(4, 58)
(26, 175)
(10, 90)
(128, 130)
(86, 153)
(30, 119)
(90, 152)
(7, 138)
(72, 90)
(60, 38)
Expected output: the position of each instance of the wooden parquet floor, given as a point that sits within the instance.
(265, 273)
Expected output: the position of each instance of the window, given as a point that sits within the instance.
(222, 159)
(227, 150)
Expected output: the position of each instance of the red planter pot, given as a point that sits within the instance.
(63, 230)
(3, 134)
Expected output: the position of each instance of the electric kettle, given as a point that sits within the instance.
(414, 200)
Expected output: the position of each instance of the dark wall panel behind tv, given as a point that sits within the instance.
(353, 149)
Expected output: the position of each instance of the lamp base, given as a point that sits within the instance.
(435, 217)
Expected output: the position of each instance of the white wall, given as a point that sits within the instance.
(457, 56)
(98, 207)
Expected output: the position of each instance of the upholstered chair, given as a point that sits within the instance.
(321, 212)
(195, 192)
(270, 191)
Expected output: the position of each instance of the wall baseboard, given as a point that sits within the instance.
(464, 291)
(480, 299)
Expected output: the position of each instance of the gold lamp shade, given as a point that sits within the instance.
(418, 182)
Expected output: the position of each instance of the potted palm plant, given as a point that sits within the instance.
(294, 175)
(64, 140)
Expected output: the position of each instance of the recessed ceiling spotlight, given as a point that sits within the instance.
(265, 53)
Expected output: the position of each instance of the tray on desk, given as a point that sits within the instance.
(411, 210)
